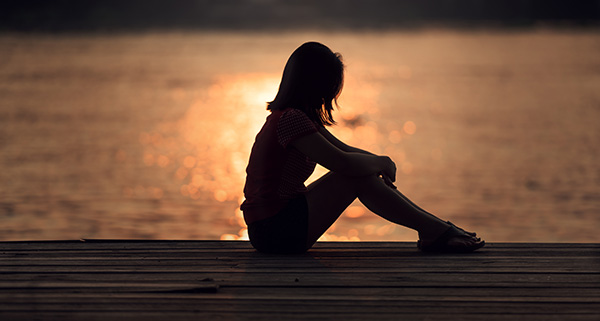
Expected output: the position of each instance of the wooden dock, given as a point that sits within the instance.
(225, 280)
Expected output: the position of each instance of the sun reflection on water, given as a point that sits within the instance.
(218, 130)
(208, 148)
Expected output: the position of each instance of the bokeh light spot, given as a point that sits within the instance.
(355, 211)
(162, 161)
(220, 195)
(410, 127)
(189, 161)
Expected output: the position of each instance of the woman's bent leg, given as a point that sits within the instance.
(329, 196)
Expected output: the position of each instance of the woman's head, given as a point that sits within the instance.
(312, 80)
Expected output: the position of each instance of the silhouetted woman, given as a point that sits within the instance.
(285, 216)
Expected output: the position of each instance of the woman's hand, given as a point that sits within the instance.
(389, 172)
(388, 181)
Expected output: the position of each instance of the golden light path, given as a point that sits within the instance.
(222, 126)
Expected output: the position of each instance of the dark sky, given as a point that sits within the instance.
(117, 15)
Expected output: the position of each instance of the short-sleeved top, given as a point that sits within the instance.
(277, 171)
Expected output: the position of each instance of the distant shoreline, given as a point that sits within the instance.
(415, 30)
(252, 15)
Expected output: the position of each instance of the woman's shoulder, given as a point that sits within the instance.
(293, 113)
(293, 124)
(290, 112)
(295, 118)
(292, 116)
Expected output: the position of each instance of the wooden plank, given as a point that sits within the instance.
(207, 245)
(354, 279)
(315, 252)
(583, 261)
(240, 268)
(199, 255)
(487, 251)
(171, 300)
(334, 316)
(95, 287)
(82, 292)
(166, 269)
(299, 306)
(337, 254)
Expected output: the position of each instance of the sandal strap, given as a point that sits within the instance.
(452, 231)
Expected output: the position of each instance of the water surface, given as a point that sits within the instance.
(147, 135)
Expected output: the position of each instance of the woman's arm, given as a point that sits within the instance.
(320, 149)
(339, 144)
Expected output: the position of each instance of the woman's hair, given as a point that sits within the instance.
(312, 80)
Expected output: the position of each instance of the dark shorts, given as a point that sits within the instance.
(284, 233)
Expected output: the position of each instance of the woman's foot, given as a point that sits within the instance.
(453, 240)
(469, 233)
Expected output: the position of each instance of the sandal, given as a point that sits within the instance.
(440, 245)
